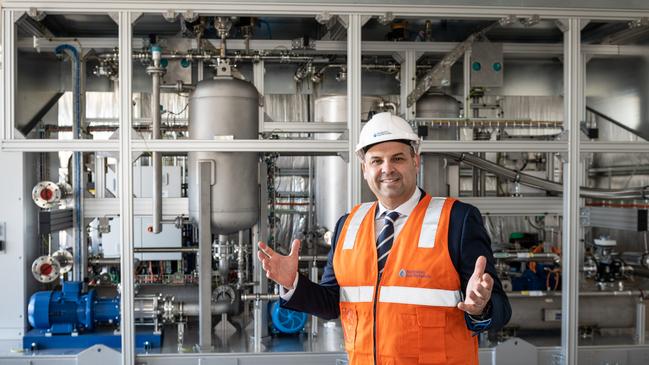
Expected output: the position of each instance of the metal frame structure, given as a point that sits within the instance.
(354, 14)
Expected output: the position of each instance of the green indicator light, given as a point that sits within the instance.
(476, 66)
(164, 62)
(184, 63)
(497, 66)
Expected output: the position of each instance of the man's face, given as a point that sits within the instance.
(390, 169)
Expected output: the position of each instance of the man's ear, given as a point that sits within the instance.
(417, 160)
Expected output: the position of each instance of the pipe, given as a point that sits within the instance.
(220, 307)
(156, 73)
(535, 182)
(145, 56)
(259, 297)
(80, 250)
(165, 249)
(541, 293)
(309, 258)
(222, 253)
(526, 256)
(178, 87)
(241, 262)
(388, 104)
(640, 322)
(618, 170)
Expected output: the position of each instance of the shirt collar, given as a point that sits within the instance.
(404, 209)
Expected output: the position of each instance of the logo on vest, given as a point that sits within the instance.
(413, 274)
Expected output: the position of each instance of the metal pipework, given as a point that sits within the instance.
(165, 249)
(547, 185)
(526, 256)
(241, 262)
(179, 87)
(156, 73)
(259, 297)
(313, 258)
(221, 254)
(603, 293)
(432, 77)
(387, 104)
(640, 322)
(489, 123)
(80, 249)
(220, 307)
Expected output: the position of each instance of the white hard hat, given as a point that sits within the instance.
(383, 127)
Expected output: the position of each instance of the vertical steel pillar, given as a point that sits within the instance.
(205, 256)
(100, 177)
(127, 325)
(260, 233)
(573, 83)
(8, 81)
(640, 319)
(258, 72)
(354, 27)
(408, 81)
(200, 71)
(466, 89)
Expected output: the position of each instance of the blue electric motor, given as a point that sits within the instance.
(286, 320)
(63, 312)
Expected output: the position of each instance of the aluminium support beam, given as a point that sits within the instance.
(205, 256)
(294, 8)
(258, 75)
(353, 107)
(9, 65)
(408, 81)
(573, 81)
(127, 324)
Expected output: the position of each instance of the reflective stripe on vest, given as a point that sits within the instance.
(354, 224)
(419, 296)
(356, 294)
(431, 220)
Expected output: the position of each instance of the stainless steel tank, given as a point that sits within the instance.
(331, 171)
(225, 108)
(435, 181)
(604, 310)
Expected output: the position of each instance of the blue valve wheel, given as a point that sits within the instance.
(286, 320)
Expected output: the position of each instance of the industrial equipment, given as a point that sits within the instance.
(181, 138)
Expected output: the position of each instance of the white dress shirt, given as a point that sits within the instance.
(404, 211)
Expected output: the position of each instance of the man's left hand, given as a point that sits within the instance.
(478, 289)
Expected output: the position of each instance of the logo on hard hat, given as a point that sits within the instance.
(382, 133)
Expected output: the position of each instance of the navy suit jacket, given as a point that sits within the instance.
(467, 240)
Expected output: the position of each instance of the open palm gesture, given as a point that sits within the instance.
(478, 289)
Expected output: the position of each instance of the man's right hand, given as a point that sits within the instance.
(281, 269)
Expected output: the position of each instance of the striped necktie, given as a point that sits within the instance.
(385, 239)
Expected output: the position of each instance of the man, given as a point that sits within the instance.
(411, 276)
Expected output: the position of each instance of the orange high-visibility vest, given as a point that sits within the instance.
(411, 315)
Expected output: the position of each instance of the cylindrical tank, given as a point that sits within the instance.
(435, 181)
(331, 171)
(225, 108)
(544, 313)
